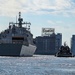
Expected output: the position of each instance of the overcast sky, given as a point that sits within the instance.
(58, 14)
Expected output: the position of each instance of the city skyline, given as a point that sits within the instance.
(58, 14)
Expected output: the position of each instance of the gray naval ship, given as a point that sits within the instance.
(17, 40)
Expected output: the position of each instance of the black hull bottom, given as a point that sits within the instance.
(64, 55)
(10, 49)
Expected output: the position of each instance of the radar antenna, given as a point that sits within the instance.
(21, 21)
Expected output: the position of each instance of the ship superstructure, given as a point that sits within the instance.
(17, 40)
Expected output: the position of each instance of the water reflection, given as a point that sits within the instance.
(37, 65)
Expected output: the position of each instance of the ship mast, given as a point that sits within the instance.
(20, 22)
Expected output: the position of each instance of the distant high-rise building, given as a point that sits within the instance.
(73, 44)
(49, 43)
(58, 41)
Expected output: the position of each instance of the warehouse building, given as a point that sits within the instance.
(49, 42)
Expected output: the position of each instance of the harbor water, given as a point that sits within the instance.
(37, 65)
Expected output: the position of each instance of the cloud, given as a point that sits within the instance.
(36, 30)
(10, 7)
(61, 27)
(54, 22)
(51, 22)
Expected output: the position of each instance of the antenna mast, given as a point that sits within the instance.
(20, 22)
(16, 19)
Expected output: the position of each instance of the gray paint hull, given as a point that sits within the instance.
(14, 50)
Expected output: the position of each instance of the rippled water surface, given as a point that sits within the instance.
(37, 65)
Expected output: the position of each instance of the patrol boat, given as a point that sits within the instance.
(17, 40)
(64, 51)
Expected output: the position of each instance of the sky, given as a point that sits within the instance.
(58, 14)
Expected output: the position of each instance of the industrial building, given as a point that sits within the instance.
(49, 42)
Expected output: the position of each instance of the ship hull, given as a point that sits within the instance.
(64, 55)
(16, 50)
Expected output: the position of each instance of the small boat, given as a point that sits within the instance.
(64, 51)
